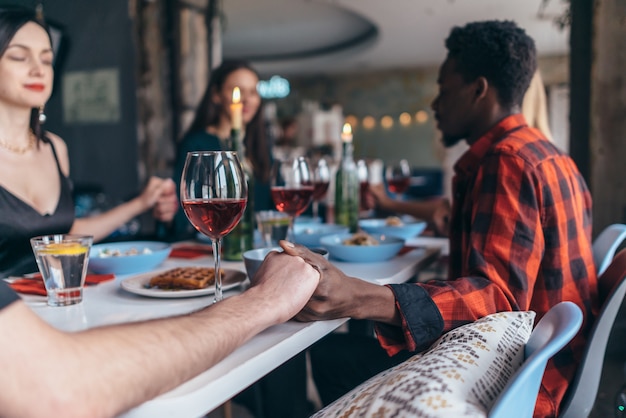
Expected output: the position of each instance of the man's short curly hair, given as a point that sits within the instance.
(500, 51)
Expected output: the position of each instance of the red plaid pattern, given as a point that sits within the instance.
(520, 240)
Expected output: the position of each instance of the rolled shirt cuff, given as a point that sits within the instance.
(422, 322)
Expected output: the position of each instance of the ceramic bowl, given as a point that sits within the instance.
(309, 234)
(253, 259)
(408, 229)
(387, 248)
(127, 257)
(306, 220)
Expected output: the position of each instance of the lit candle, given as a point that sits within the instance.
(236, 108)
(346, 134)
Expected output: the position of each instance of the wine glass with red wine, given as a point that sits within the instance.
(214, 194)
(321, 181)
(398, 177)
(292, 188)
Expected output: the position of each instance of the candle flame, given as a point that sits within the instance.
(346, 134)
(236, 95)
(236, 108)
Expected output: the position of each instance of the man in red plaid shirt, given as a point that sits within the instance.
(520, 228)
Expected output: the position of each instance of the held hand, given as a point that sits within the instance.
(167, 204)
(162, 193)
(286, 283)
(151, 192)
(377, 197)
(333, 297)
(441, 217)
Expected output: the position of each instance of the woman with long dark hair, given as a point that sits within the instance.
(211, 130)
(35, 189)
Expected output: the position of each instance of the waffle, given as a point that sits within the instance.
(188, 278)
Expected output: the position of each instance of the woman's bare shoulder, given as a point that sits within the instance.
(61, 150)
(56, 140)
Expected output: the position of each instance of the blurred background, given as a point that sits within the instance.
(129, 74)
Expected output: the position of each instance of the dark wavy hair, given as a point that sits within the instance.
(208, 114)
(11, 21)
(500, 51)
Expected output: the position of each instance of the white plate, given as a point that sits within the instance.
(137, 285)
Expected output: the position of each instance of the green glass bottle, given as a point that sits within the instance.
(347, 186)
(241, 238)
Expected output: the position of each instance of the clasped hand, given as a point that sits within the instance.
(286, 283)
(334, 296)
(160, 195)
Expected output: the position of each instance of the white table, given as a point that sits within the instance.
(432, 242)
(107, 303)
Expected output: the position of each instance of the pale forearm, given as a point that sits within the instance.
(102, 225)
(172, 350)
(105, 371)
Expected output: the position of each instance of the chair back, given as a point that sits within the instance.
(605, 245)
(581, 394)
(557, 328)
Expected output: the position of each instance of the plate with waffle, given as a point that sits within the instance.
(181, 282)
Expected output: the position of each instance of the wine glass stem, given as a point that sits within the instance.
(217, 247)
(315, 209)
(290, 235)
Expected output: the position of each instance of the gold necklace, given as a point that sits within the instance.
(32, 140)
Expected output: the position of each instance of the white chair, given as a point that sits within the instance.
(519, 397)
(583, 388)
(605, 245)
(557, 328)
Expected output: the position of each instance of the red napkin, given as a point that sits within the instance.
(191, 251)
(35, 285)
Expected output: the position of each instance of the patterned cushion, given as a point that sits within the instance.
(461, 374)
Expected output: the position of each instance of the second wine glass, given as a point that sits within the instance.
(398, 177)
(292, 188)
(321, 181)
(214, 194)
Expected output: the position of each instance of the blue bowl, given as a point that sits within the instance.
(408, 229)
(309, 234)
(253, 259)
(118, 257)
(387, 248)
(304, 219)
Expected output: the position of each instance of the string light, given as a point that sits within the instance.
(352, 120)
(405, 119)
(421, 117)
(386, 122)
(369, 122)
